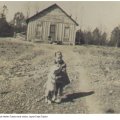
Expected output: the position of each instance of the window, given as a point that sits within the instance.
(39, 30)
(52, 28)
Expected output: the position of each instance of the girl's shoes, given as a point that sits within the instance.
(58, 100)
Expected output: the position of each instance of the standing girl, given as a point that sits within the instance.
(63, 79)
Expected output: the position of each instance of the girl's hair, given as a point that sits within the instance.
(58, 52)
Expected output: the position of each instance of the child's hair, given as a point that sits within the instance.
(59, 53)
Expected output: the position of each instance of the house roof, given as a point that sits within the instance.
(41, 13)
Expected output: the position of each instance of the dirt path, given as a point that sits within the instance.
(86, 86)
(84, 81)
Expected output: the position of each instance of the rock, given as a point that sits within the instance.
(96, 81)
(110, 92)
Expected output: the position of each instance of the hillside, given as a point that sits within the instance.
(93, 72)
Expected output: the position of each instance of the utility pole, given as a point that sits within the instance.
(36, 8)
(27, 7)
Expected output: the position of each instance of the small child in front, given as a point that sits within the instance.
(63, 79)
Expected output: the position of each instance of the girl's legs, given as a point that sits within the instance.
(59, 93)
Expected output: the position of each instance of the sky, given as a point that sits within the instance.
(88, 14)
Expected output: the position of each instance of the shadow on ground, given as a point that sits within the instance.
(73, 96)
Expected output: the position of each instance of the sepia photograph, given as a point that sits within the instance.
(59, 57)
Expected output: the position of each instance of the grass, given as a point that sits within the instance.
(24, 68)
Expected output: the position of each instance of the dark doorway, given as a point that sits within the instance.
(53, 32)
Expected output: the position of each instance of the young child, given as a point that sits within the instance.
(63, 79)
(50, 86)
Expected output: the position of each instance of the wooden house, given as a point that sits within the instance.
(52, 24)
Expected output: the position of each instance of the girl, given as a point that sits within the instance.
(63, 79)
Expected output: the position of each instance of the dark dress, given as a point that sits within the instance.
(64, 79)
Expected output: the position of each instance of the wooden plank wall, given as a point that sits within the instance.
(46, 27)
(59, 31)
(72, 33)
(31, 31)
(28, 32)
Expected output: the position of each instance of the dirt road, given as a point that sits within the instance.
(83, 82)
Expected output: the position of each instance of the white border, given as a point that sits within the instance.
(60, 116)
(64, 0)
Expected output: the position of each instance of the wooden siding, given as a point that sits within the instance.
(56, 17)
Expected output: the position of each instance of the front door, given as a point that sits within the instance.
(53, 32)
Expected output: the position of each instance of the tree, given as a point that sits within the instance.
(79, 37)
(19, 22)
(96, 36)
(88, 37)
(115, 37)
(103, 39)
(5, 29)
